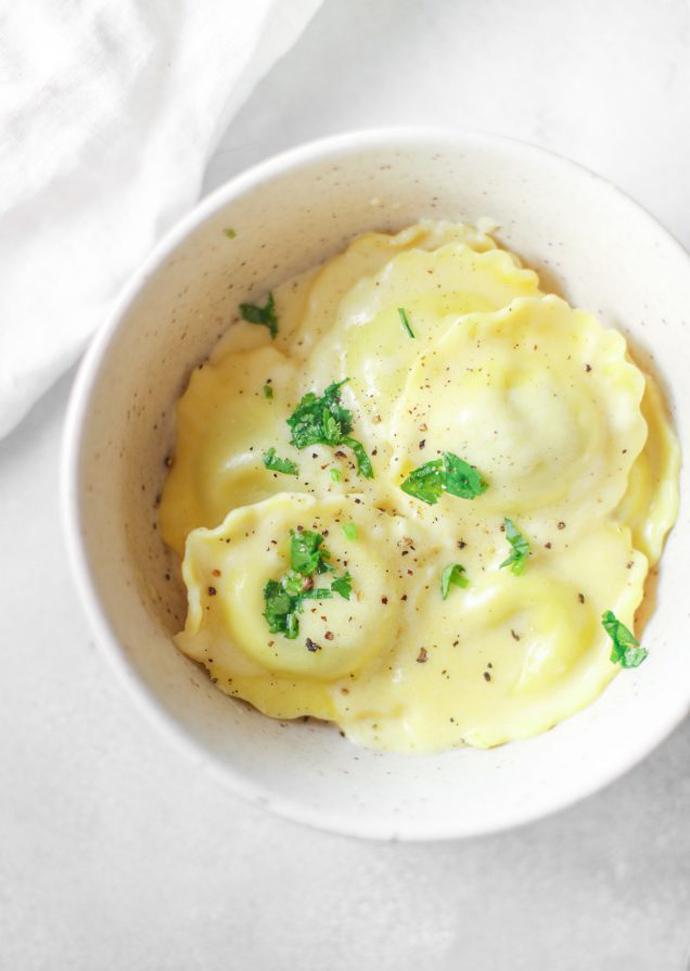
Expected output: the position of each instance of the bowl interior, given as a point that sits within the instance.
(589, 242)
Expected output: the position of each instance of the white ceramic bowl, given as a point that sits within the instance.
(588, 240)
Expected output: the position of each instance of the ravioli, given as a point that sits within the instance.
(363, 343)
(531, 646)
(224, 423)
(539, 397)
(312, 555)
(650, 502)
(226, 629)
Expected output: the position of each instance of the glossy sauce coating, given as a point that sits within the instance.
(571, 437)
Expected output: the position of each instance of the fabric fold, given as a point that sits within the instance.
(110, 112)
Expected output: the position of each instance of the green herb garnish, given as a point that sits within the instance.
(262, 315)
(280, 610)
(427, 482)
(453, 575)
(343, 585)
(230, 233)
(405, 321)
(448, 474)
(350, 530)
(268, 390)
(276, 464)
(626, 649)
(520, 548)
(364, 466)
(335, 474)
(282, 607)
(322, 420)
(462, 479)
(306, 553)
(284, 598)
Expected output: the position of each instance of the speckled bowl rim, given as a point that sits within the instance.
(329, 148)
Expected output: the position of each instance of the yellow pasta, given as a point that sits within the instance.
(401, 616)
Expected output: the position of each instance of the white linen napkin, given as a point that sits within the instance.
(109, 112)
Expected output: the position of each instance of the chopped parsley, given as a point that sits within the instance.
(426, 482)
(405, 321)
(322, 420)
(448, 474)
(462, 479)
(306, 553)
(626, 649)
(364, 466)
(335, 474)
(453, 575)
(276, 464)
(230, 232)
(343, 585)
(283, 599)
(261, 315)
(350, 530)
(280, 610)
(268, 391)
(519, 548)
(282, 606)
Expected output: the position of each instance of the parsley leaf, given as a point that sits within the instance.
(453, 575)
(316, 593)
(306, 555)
(343, 585)
(268, 390)
(280, 610)
(350, 530)
(283, 599)
(322, 420)
(261, 315)
(335, 474)
(364, 466)
(448, 474)
(276, 464)
(462, 479)
(405, 321)
(626, 649)
(230, 232)
(426, 482)
(520, 548)
(293, 583)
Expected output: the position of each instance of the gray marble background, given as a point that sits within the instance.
(117, 852)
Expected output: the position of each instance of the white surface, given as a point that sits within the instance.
(114, 852)
(109, 114)
(119, 432)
